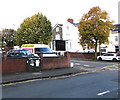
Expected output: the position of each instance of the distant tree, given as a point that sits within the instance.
(94, 28)
(7, 37)
(36, 29)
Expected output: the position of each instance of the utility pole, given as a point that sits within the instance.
(119, 27)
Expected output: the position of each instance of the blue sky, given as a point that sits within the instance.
(13, 12)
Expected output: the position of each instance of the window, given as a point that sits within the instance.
(105, 55)
(57, 29)
(67, 27)
(116, 38)
(116, 48)
(43, 50)
(103, 49)
(57, 36)
(111, 55)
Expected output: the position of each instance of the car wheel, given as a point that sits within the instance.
(114, 59)
(100, 59)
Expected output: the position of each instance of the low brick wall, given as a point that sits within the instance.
(13, 65)
(82, 56)
(19, 65)
(55, 62)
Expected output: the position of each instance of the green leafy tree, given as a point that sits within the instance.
(36, 29)
(95, 28)
(7, 37)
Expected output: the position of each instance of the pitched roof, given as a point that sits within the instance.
(117, 27)
(60, 25)
(75, 24)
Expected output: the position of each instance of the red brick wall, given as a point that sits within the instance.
(55, 62)
(13, 65)
(82, 56)
(10, 65)
(19, 65)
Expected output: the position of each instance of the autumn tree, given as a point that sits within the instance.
(7, 37)
(94, 28)
(35, 29)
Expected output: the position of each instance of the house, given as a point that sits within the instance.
(66, 37)
(57, 32)
(118, 30)
(114, 41)
(58, 44)
(71, 35)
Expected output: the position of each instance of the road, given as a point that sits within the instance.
(102, 84)
(95, 63)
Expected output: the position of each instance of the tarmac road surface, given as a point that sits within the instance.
(103, 84)
(104, 65)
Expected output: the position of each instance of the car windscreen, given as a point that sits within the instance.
(43, 50)
(13, 52)
(26, 52)
(20, 52)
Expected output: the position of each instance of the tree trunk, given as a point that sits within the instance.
(96, 49)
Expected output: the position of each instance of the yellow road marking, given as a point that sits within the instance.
(112, 67)
(56, 77)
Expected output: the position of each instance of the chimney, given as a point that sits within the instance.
(70, 20)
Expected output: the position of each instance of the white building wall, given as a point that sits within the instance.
(71, 35)
(113, 41)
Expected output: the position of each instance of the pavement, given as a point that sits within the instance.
(24, 76)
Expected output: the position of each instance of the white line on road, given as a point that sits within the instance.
(102, 93)
(77, 64)
(86, 65)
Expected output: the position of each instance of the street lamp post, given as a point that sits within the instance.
(119, 25)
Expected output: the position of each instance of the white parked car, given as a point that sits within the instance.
(109, 56)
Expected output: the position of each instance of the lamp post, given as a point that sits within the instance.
(119, 25)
